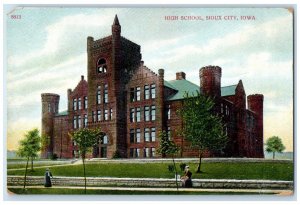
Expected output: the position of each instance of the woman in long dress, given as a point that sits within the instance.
(48, 176)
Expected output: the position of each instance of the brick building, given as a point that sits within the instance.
(132, 104)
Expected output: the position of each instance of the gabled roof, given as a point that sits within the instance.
(181, 86)
(228, 90)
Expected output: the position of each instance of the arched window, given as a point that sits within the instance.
(101, 66)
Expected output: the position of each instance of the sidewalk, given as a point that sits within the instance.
(257, 191)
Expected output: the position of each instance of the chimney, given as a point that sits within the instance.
(82, 77)
(180, 76)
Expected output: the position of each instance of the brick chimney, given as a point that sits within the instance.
(180, 76)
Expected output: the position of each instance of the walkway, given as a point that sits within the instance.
(255, 191)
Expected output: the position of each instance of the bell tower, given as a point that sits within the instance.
(111, 61)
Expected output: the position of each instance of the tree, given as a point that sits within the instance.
(201, 127)
(274, 144)
(29, 148)
(167, 147)
(85, 139)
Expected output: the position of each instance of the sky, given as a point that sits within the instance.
(46, 52)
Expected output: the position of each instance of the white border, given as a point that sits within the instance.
(136, 3)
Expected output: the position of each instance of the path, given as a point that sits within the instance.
(257, 191)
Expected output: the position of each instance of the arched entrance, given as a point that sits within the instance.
(100, 150)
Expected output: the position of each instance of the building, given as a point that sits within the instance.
(132, 104)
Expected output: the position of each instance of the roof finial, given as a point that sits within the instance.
(116, 21)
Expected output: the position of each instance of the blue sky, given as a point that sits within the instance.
(46, 52)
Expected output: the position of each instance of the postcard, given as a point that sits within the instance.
(150, 100)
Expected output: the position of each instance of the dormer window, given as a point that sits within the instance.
(101, 66)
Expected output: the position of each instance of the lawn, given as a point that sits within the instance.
(118, 192)
(220, 170)
(35, 164)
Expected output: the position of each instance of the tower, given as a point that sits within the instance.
(111, 62)
(210, 81)
(255, 104)
(50, 105)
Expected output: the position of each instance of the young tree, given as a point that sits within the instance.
(201, 127)
(29, 148)
(274, 144)
(85, 139)
(167, 147)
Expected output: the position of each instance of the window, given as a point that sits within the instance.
(168, 112)
(79, 121)
(105, 93)
(153, 91)
(152, 112)
(101, 66)
(111, 113)
(146, 152)
(153, 151)
(138, 114)
(79, 104)
(99, 95)
(85, 120)
(105, 139)
(153, 134)
(99, 115)
(131, 115)
(169, 133)
(138, 93)
(85, 102)
(146, 92)
(147, 113)
(75, 104)
(49, 107)
(131, 136)
(106, 114)
(137, 152)
(94, 116)
(138, 136)
(221, 107)
(131, 94)
(147, 135)
(75, 122)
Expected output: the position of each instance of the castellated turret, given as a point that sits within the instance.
(210, 81)
(255, 104)
(50, 106)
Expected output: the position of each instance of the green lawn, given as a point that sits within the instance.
(17, 166)
(117, 192)
(221, 170)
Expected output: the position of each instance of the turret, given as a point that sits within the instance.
(210, 81)
(255, 104)
(50, 106)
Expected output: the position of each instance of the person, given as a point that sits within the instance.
(48, 176)
(187, 178)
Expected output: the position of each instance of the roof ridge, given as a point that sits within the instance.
(229, 85)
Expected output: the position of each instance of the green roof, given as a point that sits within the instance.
(228, 90)
(181, 86)
(63, 113)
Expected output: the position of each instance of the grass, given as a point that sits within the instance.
(117, 192)
(220, 170)
(19, 166)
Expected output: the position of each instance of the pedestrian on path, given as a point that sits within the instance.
(187, 178)
(48, 176)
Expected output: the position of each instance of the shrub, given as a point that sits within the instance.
(182, 166)
(171, 168)
(53, 156)
(117, 155)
